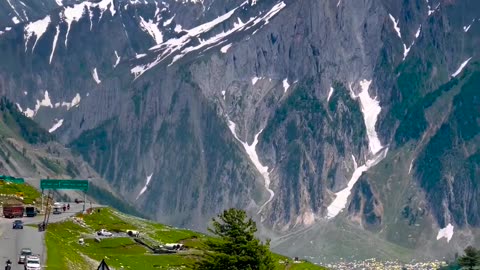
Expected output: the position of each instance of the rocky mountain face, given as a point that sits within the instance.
(341, 125)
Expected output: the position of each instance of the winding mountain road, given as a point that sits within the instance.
(12, 241)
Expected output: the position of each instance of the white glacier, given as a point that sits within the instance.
(446, 233)
(95, 76)
(461, 67)
(56, 126)
(149, 178)
(286, 85)
(37, 29)
(252, 154)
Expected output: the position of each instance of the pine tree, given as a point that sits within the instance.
(236, 247)
(470, 259)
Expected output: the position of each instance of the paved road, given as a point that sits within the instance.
(12, 241)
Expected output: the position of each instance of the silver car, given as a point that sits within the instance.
(23, 255)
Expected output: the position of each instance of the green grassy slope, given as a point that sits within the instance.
(64, 252)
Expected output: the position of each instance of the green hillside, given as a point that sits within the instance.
(64, 251)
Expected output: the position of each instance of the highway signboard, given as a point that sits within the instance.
(63, 184)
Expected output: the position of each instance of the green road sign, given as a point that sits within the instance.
(12, 179)
(64, 184)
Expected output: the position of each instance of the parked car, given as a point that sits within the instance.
(104, 232)
(23, 254)
(33, 263)
(17, 224)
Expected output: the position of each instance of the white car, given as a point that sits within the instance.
(104, 232)
(32, 263)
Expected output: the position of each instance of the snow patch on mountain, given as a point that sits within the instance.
(116, 61)
(55, 39)
(169, 21)
(411, 166)
(95, 76)
(149, 178)
(446, 233)
(330, 93)
(56, 126)
(151, 28)
(75, 12)
(430, 10)
(286, 85)
(177, 45)
(395, 25)
(225, 48)
(341, 197)
(252, 154)
(37, 29)
(75, 102)
(417, 34)
(45, 102)
(370, 109)
(461, 67)
(467, 27)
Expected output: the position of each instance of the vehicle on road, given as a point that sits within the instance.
(30, 211)
(104, 232)
(78, 201)
(33, 263)
(13, 210)
(23, 255)
(133, 233)
(17, 224)
(57, 208)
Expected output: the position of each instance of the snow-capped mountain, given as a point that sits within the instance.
(345, 126)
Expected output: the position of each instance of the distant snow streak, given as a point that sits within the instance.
(286, 85)
(116, 61)
(149, 178)
(370, 109)
(461, 67)
(330, 93)
(446, 233)
(152, 29)
(37, 29)
(56, 126)
(395, 25)
(95, 76)
(252, 154)
(225, 48)
(55, 39)
(73, 14)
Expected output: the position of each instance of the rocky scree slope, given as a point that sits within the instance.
(301, 111)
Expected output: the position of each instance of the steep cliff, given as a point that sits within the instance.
(314, 115)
